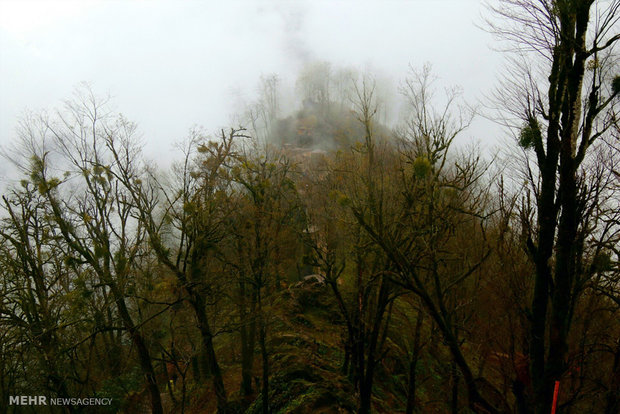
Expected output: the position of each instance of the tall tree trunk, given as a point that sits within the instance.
(349, 359)
(454, 402)
(367, 376)
(413, 364)
(248, 335)
(198, 304)
(613, 392)
(366, 382)
(143, 353)
(248, 341)
(169, 381)
(565, 90)
(347, 355)
(265, 357)
(411, 386)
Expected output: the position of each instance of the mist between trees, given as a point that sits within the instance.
(328, 258)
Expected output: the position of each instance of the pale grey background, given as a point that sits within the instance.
(171, 64)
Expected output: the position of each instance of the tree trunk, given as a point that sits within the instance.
(248, 334)
(454, 402)
(262, 339)
(198, 305)
(61, 388)
(411, 386)
(367, 375)
(613, 393)
(169, 381)
(143, 354)
(476, 402)
(347, 357)
(566, 84)
(366, 381)
(265, 357)
(413, 363)
(365, 396)
(248, 340)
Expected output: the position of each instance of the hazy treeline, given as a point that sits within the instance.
(439, 281)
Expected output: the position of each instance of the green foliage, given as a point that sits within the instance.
(615, 85)
(530, 134)
(593, 64)
(189, 207)
(602, 262)
(422, 167)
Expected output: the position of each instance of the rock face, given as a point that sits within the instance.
(306, 358)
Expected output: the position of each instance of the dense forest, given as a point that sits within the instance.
(321, 258)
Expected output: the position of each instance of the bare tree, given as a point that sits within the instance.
(196, 209)
(33, 308)
(563, 93)
(415, 202)
(90, 208)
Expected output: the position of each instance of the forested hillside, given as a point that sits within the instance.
(325, 258)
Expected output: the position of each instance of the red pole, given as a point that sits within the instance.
(556, 391)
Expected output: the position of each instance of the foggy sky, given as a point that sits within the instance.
(169, 65)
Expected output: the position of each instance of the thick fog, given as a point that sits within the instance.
(169, 65)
